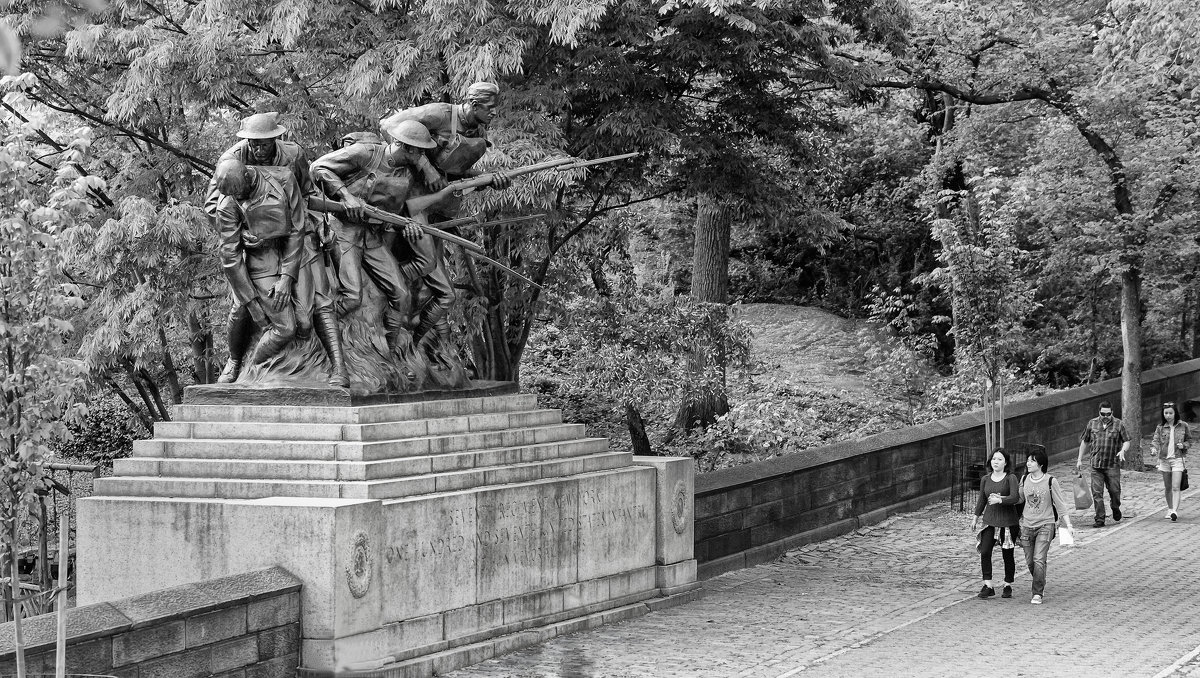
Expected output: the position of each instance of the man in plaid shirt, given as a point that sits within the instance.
(1107, 439)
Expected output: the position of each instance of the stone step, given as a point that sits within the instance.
(394, 430)
(304, 469)
(364, 414)
(202, 448)
(232, 488)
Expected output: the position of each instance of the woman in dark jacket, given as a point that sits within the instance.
(998, 496)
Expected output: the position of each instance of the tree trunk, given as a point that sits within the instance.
(203, 369)
(704, 402)
(710, 253)
(1196, 320)
(637, 431)
(1131, 373)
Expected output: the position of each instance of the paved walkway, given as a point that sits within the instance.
(898, 599)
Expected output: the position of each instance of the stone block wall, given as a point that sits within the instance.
(752, 514)
(242, 626)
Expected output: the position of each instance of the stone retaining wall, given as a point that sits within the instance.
(752, 514)
(242, 626)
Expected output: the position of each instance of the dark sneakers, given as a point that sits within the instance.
(1116, 515)
(1007, 592)
(1098, 523)
(986, 592)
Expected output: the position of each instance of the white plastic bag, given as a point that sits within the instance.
(1065, 538)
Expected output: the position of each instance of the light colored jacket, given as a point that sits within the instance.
(1159, 444)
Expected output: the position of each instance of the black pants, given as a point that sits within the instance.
(987, 540)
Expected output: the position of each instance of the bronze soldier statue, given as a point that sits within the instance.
(260, 216)
(262, 145)
(460, 133)
(382, 174)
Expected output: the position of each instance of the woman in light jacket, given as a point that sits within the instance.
(1170, 443)
(1044, 508)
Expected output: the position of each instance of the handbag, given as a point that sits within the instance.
(1083, 495)
(1183, 483)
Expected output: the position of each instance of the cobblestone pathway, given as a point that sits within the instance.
(897, 599)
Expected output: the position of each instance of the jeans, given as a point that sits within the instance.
(1036, 543)
(987, 540)
(1110, 477)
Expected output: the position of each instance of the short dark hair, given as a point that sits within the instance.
(1003, 453)
(1040, 455)
(1104, 404)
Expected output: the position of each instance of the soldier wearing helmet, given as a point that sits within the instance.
(366, 172)
(262, 145)
(460, 132)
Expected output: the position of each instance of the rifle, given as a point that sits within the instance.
(421, 203)
(469, 247)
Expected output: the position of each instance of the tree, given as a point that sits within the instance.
(41, 198)
(979, 60)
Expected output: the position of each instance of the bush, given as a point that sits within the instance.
(105, 433)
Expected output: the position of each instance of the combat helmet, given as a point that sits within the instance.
(408, 132)
(261, 126)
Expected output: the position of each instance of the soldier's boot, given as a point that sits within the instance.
(429, 329)
(230, 372)
(271, 343)
(240, 329)
(325, 321)
(393, 331)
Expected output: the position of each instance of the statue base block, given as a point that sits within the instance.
(429, 534)
(236, 394)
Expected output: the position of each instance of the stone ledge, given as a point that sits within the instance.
(747, 474)
(465, 655)
(109, 619)
(233, 394)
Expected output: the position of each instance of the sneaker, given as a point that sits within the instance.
(986, 592)
(1168, 513)
(1098, 523)
(1174, 516)
(1007, 592)
(1116, 515)
(1036, 600)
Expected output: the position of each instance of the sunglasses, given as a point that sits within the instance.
(1166, 405)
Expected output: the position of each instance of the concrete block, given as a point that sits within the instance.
(280, 667)
(272, 612)
(412, 633)
(141, 644)
(233, 654)
(675, 507)
(190, 664)
(279, 641)
(447, 661)
(428, 555)
(675, 574)
(180, 541)
(216, 626)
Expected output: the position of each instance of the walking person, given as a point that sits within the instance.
(1107, 440)
(1170, 443)
(996, 508)
(1044, 508)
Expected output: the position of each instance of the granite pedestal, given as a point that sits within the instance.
(428, 534)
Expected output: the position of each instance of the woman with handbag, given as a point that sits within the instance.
(1170, 444)
(997, 510)
(1044, 508)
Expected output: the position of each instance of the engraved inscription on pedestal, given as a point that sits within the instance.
(498, 543)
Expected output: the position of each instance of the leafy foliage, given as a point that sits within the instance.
(39, 204)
